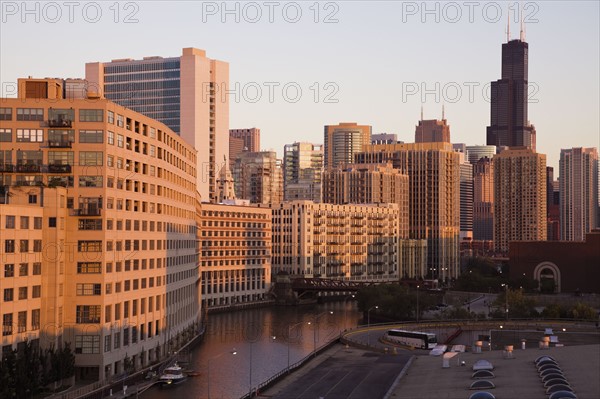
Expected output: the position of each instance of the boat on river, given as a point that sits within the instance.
(172, 375)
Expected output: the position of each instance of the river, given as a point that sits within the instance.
(246, 347)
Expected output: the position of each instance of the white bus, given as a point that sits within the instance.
(415, 339)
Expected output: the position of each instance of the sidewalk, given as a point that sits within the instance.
(131, 391)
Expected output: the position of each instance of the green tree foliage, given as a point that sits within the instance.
(455, 313)
(519, 305)
(582, 311)
(394, 302)
(481, 275)
(7, 375)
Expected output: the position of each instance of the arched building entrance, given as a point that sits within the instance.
(546, 271)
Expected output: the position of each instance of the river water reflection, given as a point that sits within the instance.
(261, 340)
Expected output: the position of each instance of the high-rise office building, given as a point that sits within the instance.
(432, 131)
(476, 152)
(466, 197)
(243, 140)
(509, 125)
(302, 171)
(483, 200)
(434, 198)
(519, 197)
(258, 177)
(125, 290)
(384, 138)
(186, 93)
(552, 205)
(344, 140)
(578, 192)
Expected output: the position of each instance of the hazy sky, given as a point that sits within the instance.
(369, 62)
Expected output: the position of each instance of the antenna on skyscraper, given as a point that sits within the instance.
(508, 23)
(421, 111)
(443, 112)
(522, 34)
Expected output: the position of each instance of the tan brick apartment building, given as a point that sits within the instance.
(127, 237)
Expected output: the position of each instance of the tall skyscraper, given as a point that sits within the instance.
(509, 125)
(302, 170)
(476, 152)
(483, 200)
(466, 197)
(186, 93)
(432, 131)
(578, 192)
(243, 140)
(434, 198)
(519, 197)
(258, 177)
(344, 140)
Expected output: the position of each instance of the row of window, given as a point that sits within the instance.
(10, 220)
(36, 292)
(54, 114)
(8, 326)
(9, 269)
(37, 136)
(10, 246)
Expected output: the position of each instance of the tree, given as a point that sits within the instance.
(582, 311)
(394, 302)
(519, 306)
(7, 375)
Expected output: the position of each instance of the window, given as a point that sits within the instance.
(30, 135)
(120, 120)
(9, 222)
(60, 158)
(9, 246)
(51, 222)
(89, 267)
(7, 324)
(91, 115)
(37, 223)
(33, 200)
(9, 270)
(91, 136)
(24, 222)
(24, 246)
(5, 135)
(8, 295)
(88, 314)
(110, 117)
(117, 340)
(107, 343)
(89, 289)
(90, 181)
(89, 246)
(22, 293)
(23, 269)
(30, 114)
(22, 321)
(37, 268)
(87, 344)
(35, 319)
(90, 224)
(61, 137)
(36, 291)
(5, 114)
(37, 245)
(91, 158)
(120, 140)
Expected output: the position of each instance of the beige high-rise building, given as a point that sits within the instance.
(187, 93)
(258, 177)
(344, 140)
(123, 285)
(302, 172)
(434, 198)
(483, 200)
(351, 242)
(236, 254)
(432, 131)
(369, 184)
(250, 140)
(578, 182)
(519, 197)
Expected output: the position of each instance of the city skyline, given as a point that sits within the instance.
(376, 101)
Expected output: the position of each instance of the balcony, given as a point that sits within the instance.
(59, 168)
(60, 144)
(7, 167)
(60, 123)
(89, 211)
(29, 168)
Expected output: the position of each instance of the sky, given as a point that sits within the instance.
(297, 66)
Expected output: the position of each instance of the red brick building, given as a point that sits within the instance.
(573, 265)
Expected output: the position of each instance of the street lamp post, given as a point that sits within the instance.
(288, 342)
(346, 309)
(315, 329)
(417, 303)
(233, 352)
(506, 300)
(369, 324)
